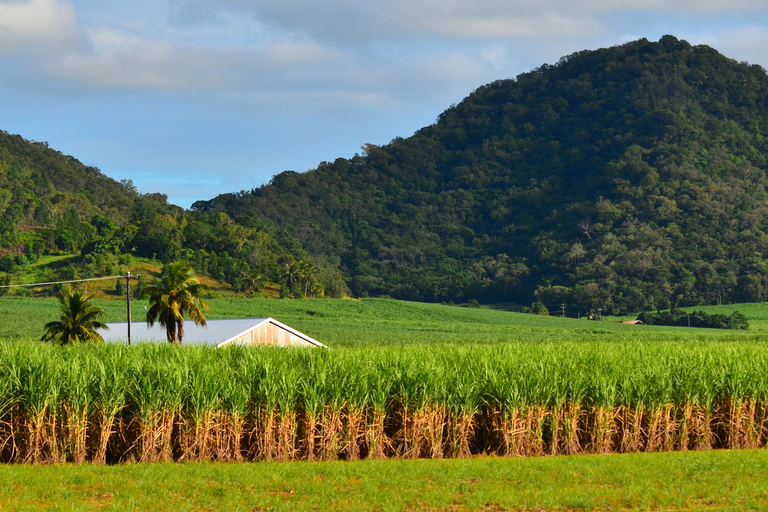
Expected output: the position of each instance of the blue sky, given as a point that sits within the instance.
(193, 98)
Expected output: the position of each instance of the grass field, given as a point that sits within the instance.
(339, 323)
(702, 481)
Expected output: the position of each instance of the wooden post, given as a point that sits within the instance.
(128, 301)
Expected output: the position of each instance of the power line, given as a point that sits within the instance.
(127, 290)
(70, 281)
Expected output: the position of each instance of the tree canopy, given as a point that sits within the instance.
(177, 295)
(51, 203)
(79, 320)
(626, 178)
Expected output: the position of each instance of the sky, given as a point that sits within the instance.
(194, 98)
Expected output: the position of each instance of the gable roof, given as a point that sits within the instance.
(218, 333)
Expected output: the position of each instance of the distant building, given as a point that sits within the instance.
(218, 333)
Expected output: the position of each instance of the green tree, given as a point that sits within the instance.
(177, 295)
(159, 236)
(5, 280)
(141, 284)
(79, 320)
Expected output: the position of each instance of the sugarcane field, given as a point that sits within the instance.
(393, 381)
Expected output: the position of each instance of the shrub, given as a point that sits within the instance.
(680, 318)
(8, 263)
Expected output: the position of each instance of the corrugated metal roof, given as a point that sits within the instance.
(217, 333)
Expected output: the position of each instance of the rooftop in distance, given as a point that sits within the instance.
(218, 333)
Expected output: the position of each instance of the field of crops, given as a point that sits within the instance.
(153, 403)
(403, 380)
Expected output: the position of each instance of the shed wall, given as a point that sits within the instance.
(270, 334)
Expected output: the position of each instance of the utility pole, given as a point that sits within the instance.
(562, 306)
(128, 301)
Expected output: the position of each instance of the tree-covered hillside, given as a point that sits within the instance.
(50, 203)
(625, 178)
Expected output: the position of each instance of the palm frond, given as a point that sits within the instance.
(79, 320)
(175, 297)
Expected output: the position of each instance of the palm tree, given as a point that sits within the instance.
(291, 274)
(176, 295)
(79, 320)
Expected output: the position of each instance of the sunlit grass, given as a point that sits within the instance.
(389, 322)
(706, 481)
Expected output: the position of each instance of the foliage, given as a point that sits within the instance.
(537, 308)
(177, 295)
(627, 178)
(159, 402)
(682, 318)
(79, 320)
(7, 263)
(50, 204)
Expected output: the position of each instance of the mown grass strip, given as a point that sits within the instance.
(708, 481)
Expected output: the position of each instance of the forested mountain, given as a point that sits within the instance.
(625, 178)
(50, 203)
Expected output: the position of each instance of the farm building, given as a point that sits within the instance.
(218, 333)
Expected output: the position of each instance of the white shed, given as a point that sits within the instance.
(218, 333)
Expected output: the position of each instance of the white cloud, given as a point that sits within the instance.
(690, 7)
(361, 70)
(36, 22)
(356, 20)
(743, 43)
(509, 27)
(334, 54)
(495, 55)
(273, 71)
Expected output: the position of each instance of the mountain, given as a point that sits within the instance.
(42, 188)
(52, 204)
(626, 178)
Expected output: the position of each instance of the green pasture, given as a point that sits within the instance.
(701, 481)
(390, 322)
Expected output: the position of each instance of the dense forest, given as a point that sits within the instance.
(627, 178)
(51, 203)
